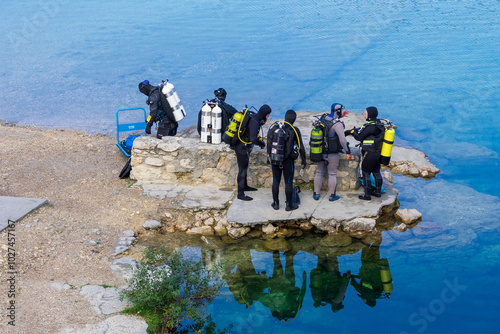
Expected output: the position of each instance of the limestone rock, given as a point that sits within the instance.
(183, 226)
(124, 267)
(220, 229)
(360, 224)
(237, 232)
(306, 226)
(203, 230)
(129, 233)
(152, 161)
(151, 225)
(103, 300)
(388, 177)
(408, 216)
(209, 221)
(269, 228)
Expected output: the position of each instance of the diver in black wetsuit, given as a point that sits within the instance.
(287, 167)
(370, 135)
(228, 110)
(167, 126)
(242, 150)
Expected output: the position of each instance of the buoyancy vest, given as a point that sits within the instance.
(332, 143)
(373, 143)
(321, 141)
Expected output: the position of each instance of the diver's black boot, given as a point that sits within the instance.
(276, 205)
(244, 197)
(377, 192)
(366, 182)
(291, 207)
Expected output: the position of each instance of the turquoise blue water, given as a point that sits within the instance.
(432, 67)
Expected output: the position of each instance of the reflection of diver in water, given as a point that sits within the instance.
(327, 285)
(375, 277)
(243, 280)
(281, 296)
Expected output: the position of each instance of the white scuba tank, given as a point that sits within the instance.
(216, 124)
(174, 101)
(206, 123)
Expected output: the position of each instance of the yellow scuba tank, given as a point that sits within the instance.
(388, 141)
(316, 144)
(233, 128)
(385, 275)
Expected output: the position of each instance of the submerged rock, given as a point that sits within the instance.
(408, 217)
(336, 240)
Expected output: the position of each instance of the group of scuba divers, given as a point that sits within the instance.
(219, 122)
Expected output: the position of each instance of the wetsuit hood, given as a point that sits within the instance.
(372, 113)
(336, 114)
(145, 87)
(263, 112)
(290, 116)
(220, 94)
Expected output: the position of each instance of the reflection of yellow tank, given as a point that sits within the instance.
(387, 145)
(385, 275)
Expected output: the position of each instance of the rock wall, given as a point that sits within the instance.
(189, 161)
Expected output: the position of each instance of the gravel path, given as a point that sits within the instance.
(71, 239)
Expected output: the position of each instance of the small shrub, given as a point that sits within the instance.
(171, 293)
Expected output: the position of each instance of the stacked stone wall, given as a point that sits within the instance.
(189, 161)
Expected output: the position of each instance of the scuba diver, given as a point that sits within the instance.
(158, 112)
(327, 285)
(334, 142)
(371, 135)
(227, 110)
(242, 150)
(287, 150)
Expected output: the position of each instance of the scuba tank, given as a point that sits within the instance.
(279, 137)
(231, 135)
(316, 142)
(385, 275)
(173, 100)
(206, 123)
(387, 143)
(211, 123)
(216, 124)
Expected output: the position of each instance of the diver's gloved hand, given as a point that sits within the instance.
(349, 132)
(148, 127)
(304, 164)
(262, 145)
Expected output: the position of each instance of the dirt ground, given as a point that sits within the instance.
(78, 174)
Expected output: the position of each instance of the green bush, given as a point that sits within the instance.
(171, 293)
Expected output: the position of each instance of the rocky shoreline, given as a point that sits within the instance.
(77, 241)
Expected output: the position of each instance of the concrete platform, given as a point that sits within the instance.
(259, 210)
(15, 208)
(349, 206)
(201, 197)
